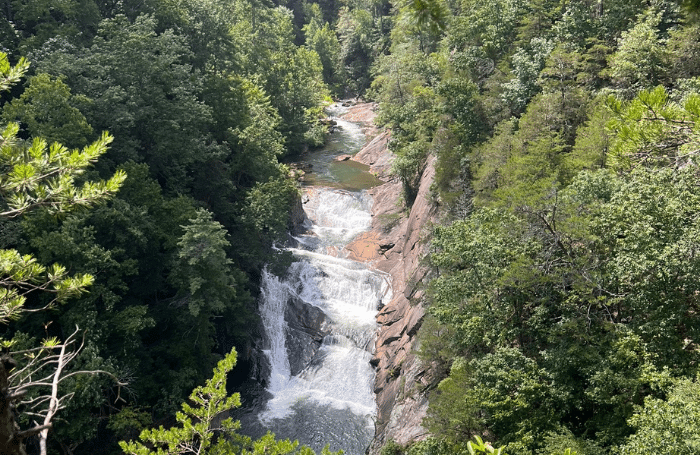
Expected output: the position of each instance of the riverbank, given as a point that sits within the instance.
(395, 245)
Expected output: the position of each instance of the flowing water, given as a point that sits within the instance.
(319, 317)
(346, 138)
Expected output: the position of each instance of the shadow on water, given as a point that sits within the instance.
(318, 425)
(348, 175)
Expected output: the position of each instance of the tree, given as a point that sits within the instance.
(141, 87)
(642, 59)
(46, 109)
(197, 434)
(527, 64)
(204, 429)
(207, 286)
(652, 130)
(667, 426)
(354, 33)
(324, 41)
(37, 177)
(36, 383)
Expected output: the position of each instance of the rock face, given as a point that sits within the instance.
(307, 325)
(376, 154)
(395, 245)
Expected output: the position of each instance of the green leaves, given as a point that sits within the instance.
(651, 130)
(479, 446)
(596, 292)
(196, 430)
(47, 109)
(641, 60)
(202, 429)
(268, 205)
(667, 426)
(39, 176)
(11, 74)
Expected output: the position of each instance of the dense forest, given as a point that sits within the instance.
(563, 309)
(141, 150)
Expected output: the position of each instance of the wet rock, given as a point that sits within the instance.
(343, 157)
(375, 155)
(297, 218)
(307, 325)
(364, 114)
(328, 122)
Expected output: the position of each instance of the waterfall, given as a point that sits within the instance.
(330, 400)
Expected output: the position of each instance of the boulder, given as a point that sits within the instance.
(307, 325)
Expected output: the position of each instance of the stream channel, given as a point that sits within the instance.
(319, 316)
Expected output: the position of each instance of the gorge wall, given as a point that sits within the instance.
(396, 245)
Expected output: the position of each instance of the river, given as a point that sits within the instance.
(319, 316)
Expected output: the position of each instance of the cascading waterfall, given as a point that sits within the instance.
(320, 386)
(331, 400)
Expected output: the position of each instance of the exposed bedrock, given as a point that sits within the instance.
(396, 244)
(307, 325)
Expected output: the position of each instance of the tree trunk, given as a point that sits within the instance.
(10, 437)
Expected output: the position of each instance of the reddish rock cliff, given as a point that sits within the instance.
(395, 245)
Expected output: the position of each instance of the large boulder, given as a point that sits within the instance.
(307, 325)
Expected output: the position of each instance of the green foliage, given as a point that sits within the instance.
(46, 109)
(411, 107)
(452, 416)
(563, 300)
(641, 60)
(354, 30)
(201, 274)
(204, 428)
(322, 39)
(197, 427)
(563, 442)
(652, 130)
(479, 446)
(129, 422)
(527, 64)
(11, 74)
(42, 176)
(40, 20)
(684, 51)
(483, 31)
(556, 301)
(600, 257)
(391, 448)
(142, 89)
(667, 426)
(39, 177)
(593, 140)
(432, 446)
(268, 205)
(203, 98)
(425, 19)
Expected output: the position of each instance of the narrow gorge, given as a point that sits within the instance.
(340, 322)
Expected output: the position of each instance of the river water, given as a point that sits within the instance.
(320, 386)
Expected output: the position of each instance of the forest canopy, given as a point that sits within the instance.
(202, 100)
(562, 309)
(563, 300)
